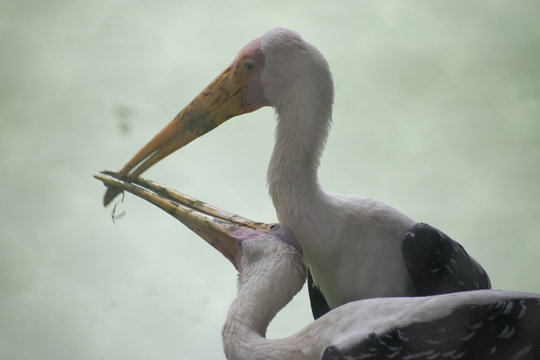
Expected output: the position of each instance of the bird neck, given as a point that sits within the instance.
(299, 142)
(261, 294)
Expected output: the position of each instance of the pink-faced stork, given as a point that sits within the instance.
(471, 325)
(355, 247)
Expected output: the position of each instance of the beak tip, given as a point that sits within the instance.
(111, 191)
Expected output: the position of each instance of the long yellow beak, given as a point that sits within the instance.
(215, 226)
(223, 99)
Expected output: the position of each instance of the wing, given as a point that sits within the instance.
(508, 329)
(319, 306)
(437, 264)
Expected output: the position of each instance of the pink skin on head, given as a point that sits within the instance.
(283, 233)
(254, 92)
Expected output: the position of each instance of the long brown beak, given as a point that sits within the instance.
(210, 223)
(218, 102)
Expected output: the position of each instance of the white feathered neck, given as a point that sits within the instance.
(298, 83)
(271, 274)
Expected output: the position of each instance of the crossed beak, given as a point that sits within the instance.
(217, 227)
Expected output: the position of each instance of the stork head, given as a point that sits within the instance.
(267, 256)
(269, 71)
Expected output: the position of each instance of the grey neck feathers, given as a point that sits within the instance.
(301, 133)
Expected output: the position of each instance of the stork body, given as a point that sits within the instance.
(371, 232)
(346, 239)
(352, 244)
(483, 324)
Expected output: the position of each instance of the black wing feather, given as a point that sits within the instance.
(319, 306)
(437, 264)
(499, 331)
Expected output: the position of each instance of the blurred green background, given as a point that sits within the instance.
(437, 113)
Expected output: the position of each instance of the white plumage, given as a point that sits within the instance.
(352, 244)
(482, 324)
(272, 273)
(346, 239)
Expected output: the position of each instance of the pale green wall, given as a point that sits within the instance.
(437, 113)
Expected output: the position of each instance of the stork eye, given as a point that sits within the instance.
(249, 66)
(273, 227)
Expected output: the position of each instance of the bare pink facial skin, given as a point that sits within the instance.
(254, 92)
(283, 233)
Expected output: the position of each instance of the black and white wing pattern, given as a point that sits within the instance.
(504, 330)
(437, 264)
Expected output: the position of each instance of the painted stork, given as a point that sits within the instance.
(355, 247)
(481, 324)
